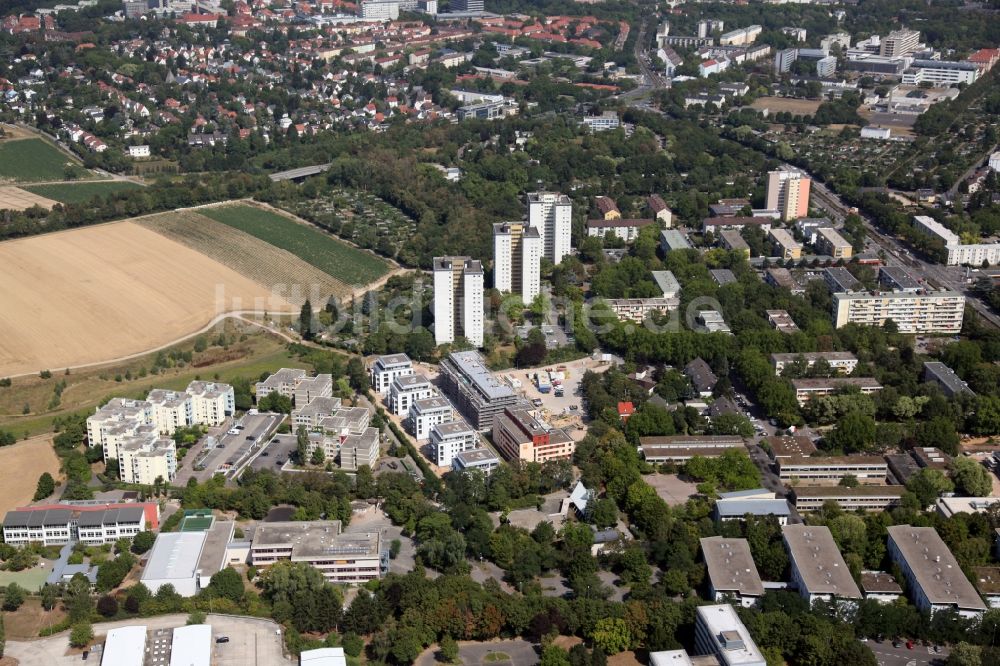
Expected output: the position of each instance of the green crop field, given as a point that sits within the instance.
(71, 193)
(27, 160)
(332, 256)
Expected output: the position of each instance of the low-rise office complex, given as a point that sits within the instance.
(681, 448)
(831, 469)
(842, 362)
(520, 434)
(340, 557)
(809, 389)
(860, 498)
(89, 522)
(818, 569)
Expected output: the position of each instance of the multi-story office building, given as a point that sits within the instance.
(92, 523)
(450, 439)
(732, 574)
(819, 571)
(468, 6)
(477, 393)
(517, 254)
(146, 457)
(406, 390)
(816, 387)
(830, 242)
(427, 413)
(863, 498)
(520, 434)
(832, 469)
(668, 284)
(788, 192)
(935, 581)
(379, 10)
(719, 631)
(387, 368)
(958, 253)
(552, 214)
(355, 557)
(681, 448)
(738, 505)
(899, 43)
(941, 73)
(458, 300)
(785, 245)
(922, 311)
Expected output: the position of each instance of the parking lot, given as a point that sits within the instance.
(568, 405)
(275, 453)
(232, 449)
(919, 655)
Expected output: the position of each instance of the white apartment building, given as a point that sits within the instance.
(935, 580)
(608, 120)
(788, 193)
(283, 381)
(740, 36)
(379, 10)
(359, 449)
(211, 402)
(58, 524)
(450, 439)
(517, 255)
(387, 368)
(625, 229)
(830, 242)
(145, 458)
(458, 300)
(427, 413)
(941, 73)
(483, 459)
(842, 362)
(819, 571)
(959, 253)
(308, 389)
(720, 632)
(406, 390)
(638, 309)
(171, 410)
(552, 214)
(863, 498)
(119, 418)
(920, 311)
(994, 162)
(310, 416)
(810, 388)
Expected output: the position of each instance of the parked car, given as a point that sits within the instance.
(222, 639)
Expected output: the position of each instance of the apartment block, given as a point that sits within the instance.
(147, 457)
(458, 300)
(341, 557)
(785, 245)
(552, 214)
(406, 390)
(740, 36)
(732, 574)
(450, 439)
(781, 321)
(625, 229)
(387, 368)
(308, 389)
(922, 311)
(788, 192)
(732, 240)
(171, 410)
(116, 420)
(211, 402)
(899, 43)
(880, 586)
(359, 449)
(483, 459)
(667, 283)
(427, 413)
(951, 384)
(816, 387)
(819, 571)
(935, 581)
(90, 522)
(720, 632)
(283, 382)
(832, 469)
(842, 362)
(958, 253)
(517, 254)
(830, 242)
(309, 416)
(672, 240)
(861, 498)
(639, 309)
(476, 391)
(520, 434)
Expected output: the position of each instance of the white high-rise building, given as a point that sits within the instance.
(458, 300)
(552, 214)
(517, 254)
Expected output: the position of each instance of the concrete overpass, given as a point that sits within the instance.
(300, 173)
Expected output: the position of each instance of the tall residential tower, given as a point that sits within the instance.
(788, 192)
(458, 300)
(552, 214)
(517, 253)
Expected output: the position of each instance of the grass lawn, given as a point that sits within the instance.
(30, 579)
(71, 193)
(27, 160)
(332, 256)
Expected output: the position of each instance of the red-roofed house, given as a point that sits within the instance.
(625, 411)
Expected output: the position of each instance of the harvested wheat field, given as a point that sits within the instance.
(260, 261)
(109, 291)
(20, 466)
(14, 198)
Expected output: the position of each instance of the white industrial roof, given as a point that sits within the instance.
(333, 656)
(174, 555)
(125, 646)
(192, 646)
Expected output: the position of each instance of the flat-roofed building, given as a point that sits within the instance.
(781, 321)
(788, 192)
(552, 214)
(951, 384)
(732, 574)
(191, 645)
(173, 560)
(125, 646)
(283, 381)
(359, 449)
(808, 389)
(406, 390)
(733, 241)
(483, 459)
(789, 446)
(818, 569)
(386, 368)
(719, 632)
(308, 389)
(318, 409)
(211, 402)
(935, 581)
(476, 391)
(625, 229)
(681, 448)
(427, 413)
(987, 582)
(923, 311)
(146, 458)
(785, 245)
(353, 557)
(840, 280)
(520, 434)
(171, 410)
(880, 586)
(672, 239)
(717, 224)
(451, 438)
(639, 309)
(782, 277)
(331, 656)
(458, 300)
(861, 498)
(738, 508)
(831, 469)
(723, 276)
(830, 242)
(670, 658)
(117, 419)
(841, 361)
(667, 283)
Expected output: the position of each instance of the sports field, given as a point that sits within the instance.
(20, 466)
(795, 106)
(31, 160)
(330, 255)
(15, 198)
(71, 193)
(104, 292)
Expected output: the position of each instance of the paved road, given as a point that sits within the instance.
(519, 652)
(887, 655)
